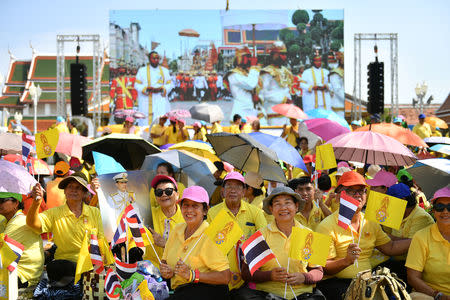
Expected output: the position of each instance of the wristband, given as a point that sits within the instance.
(197, 276)
(190, 276)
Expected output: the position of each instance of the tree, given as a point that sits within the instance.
(300, 16)
(173, 66)
(301, 27)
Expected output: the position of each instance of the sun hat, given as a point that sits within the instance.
(441, 193)
(341, 170)
(253, 179)
(78, 177)
(398, 120)
(61, 168)
(343, 164)
(234, 175)
(129, 119)
(399, 190)
(402, 173)
(16, 196)
(422, 116)
(383, 178)
(351, 178)
(158, 178)
(282, 190)
(196, 124)
(195, 193)
(372, 170)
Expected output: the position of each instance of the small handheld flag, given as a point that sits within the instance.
(347, 208)
(224, 232)
(135, 225)
(385, 210)
(309, 246)
(27, 145)
(17, 248)
(96, 256)
(257, 252)
(125, 270)
(113, 288)
(46, 142)
(325, 158)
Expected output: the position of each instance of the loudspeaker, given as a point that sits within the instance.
(78, 86)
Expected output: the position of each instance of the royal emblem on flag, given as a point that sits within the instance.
(307, 250)
(381, 214)
(222, 235)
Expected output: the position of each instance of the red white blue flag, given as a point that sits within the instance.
(17, 248)
(347, 208)
(27, 145)
(135, 225)
(120, 236)
(113, 288)
(257, 252)
(125, 270)
(96, 256)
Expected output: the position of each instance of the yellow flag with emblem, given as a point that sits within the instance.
(224, 232)
(46, 142)
(309, 246)
(325, 158)
(385, 210)
(84, 262)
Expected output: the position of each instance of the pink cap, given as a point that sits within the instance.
(196, 124)
(159, 178)
(129, 119)
(235, 176)
(182, 121)
(173, 119)
(343, 164)
(383, 178)
(195, 193)
(441, 193)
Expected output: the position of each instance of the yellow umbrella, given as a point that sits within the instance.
(436, 122)
(201, 149)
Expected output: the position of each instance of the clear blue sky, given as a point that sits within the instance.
(423, 28)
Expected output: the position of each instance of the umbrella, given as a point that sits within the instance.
(437, 140)
(199, 148)
(371, 148)
(326, 129)
(123, 113)
(283, 149)
(247, 154)
(34, 165)
(198, 169)
(441, 148)
(15, 178)
(189, 33)
(179, 113)
(436, 122)
(71, 144)
(290, 111)
(127, 149)
(431, 174)
(207, 112)
(105, 164)
(10, 143)
(403, 135)
(327, 114)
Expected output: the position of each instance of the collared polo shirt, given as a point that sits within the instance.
(68, 230)
(158, 129)
(315, 217)
(206, 257)
(429, 253)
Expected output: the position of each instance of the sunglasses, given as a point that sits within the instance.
(167, 191)
(441, 206)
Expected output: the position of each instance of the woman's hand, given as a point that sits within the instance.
(159, 240)
(353, 252)
(182, 270)
(95, 184)
(295, 278)
(166, 271)
(279, 275)
(37, 192)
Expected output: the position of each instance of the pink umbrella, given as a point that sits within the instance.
(15, 178)
(123, 113)
(371, 148)
(71, 144)
(179, 113)
(326, 129)
(290, 111)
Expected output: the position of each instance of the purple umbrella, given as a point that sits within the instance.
(15, 178)
(326, 129)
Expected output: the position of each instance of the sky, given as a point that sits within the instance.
(422, 28)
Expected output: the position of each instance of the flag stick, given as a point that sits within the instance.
(289, 285)
(361, 230)
(151, 244)
(353, 238)
(285, 284)
(184, 259)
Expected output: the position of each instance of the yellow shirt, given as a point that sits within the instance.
(250, 219)
(234, 128)
(247, 128)
(429, 253)
(68, 230)
(180, 139)
(216, 128)
(372, 236)
(31, 262)
(315, 217)
(303, 153)
(257, 201)
(423, 131)
(172, 137)
(200, 135)
(153, 201)
(206, 257)
(159, 221)
(280, 244)
(158, 129)
(290, 137)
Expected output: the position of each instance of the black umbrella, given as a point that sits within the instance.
(127, 149)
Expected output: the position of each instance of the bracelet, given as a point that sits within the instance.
(190, 276)
(197, 276)
(438, 295)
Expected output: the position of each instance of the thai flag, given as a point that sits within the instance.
(347, 208)
(135, 225)
(27, 145)
(96, 256)
(17, 248)
(120, 236)
(257, 252)
(112, 283)
(125, 270)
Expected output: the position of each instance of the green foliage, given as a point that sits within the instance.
(283, 33)
(316, 34)
(318, 17)
(294, 50)
(338, 33)
(308, 42)
(301, 28)
(300, 16)
(336, 45)
(173, 66)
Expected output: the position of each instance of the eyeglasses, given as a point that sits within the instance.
(167, 191)
(441, 206)
(352, 192)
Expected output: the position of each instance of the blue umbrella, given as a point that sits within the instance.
(327, 114)
(442, 148)
(283, 149)
(105, 164)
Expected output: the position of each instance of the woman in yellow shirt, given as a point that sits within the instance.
(197, 268)
(165, 168)
(199, 132)
(303, 145)
(429, 253)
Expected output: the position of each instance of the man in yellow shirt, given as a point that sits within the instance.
(290, 132)
(216, 127)
(157, 132)
(423, 130)
(69, 223)
(249, 217)
(236, 125)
